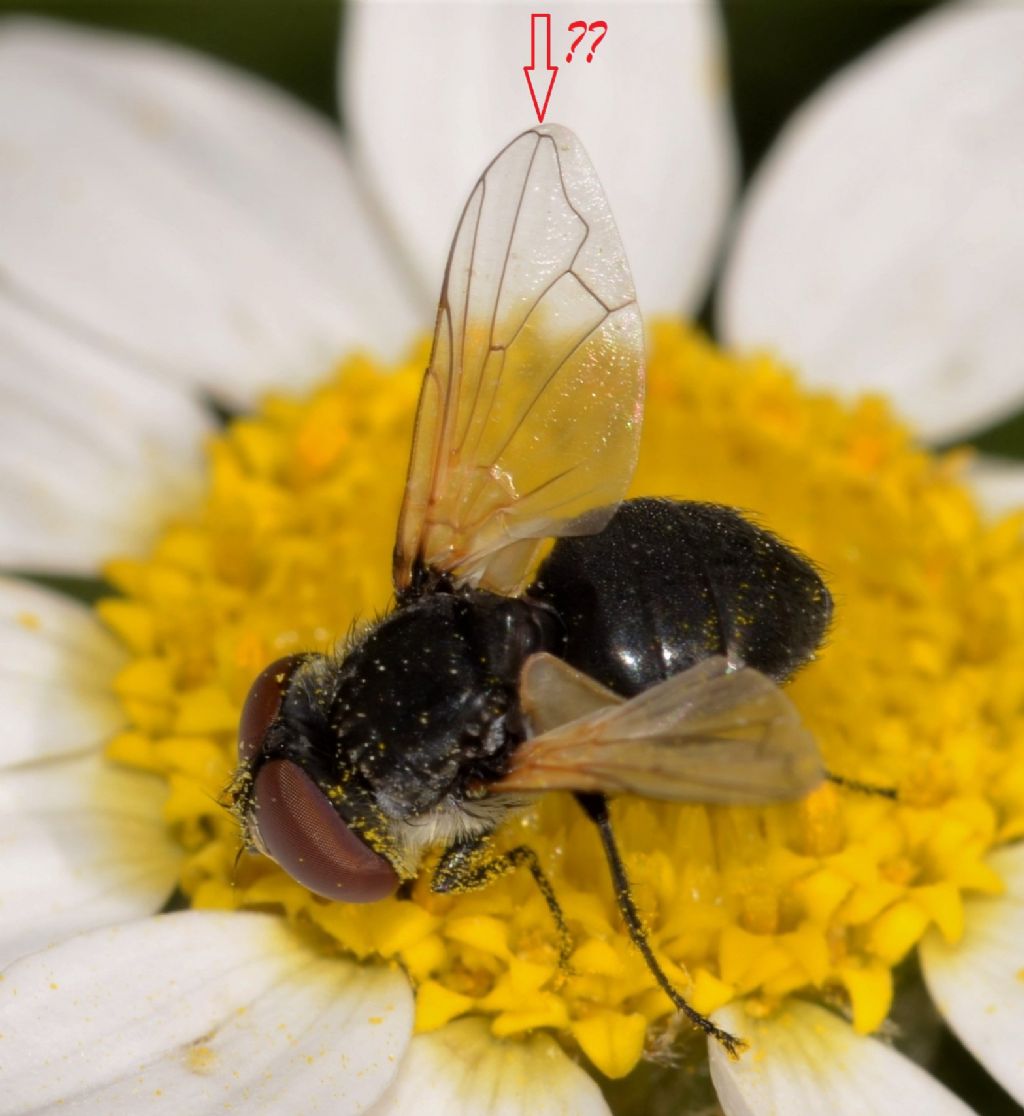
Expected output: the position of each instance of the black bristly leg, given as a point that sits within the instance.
(595, 806)
(862, 788)
(472, 864)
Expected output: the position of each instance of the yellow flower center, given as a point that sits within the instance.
(921, 687)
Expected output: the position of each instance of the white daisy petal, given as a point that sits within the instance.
(84, 845)
(978, 984)
(56, 664)
(651, 109)
(182, 214)
(998, 482)
(881, 244)
(462, 1069)
(200, 1013)
(807, 1060)
(94, 454)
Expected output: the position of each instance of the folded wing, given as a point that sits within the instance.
(710, 734)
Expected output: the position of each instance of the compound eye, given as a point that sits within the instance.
(263, 703)
(301, 830)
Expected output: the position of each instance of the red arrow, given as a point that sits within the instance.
(540, 36)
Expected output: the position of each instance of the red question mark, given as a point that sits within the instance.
(593, 27)
(581, 23)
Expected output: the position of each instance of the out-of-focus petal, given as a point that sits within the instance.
(807, 1060)
(998, 483)
(433, 90)
(94, 453)
(191, 219)
(461, 1070)
(199, 1013)
(84, 845)
(978, 984)
(881, 243)
(56, 666)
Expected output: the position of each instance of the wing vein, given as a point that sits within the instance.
(491, 347)
(547, 383)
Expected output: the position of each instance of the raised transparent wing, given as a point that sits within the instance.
(709, 734)
(529, 415)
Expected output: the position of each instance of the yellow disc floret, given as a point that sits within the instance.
(921, 687)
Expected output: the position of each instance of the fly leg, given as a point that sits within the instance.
(595, 806)
(862, 788)
(473, 863)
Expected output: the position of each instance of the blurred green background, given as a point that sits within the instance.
(780, 51)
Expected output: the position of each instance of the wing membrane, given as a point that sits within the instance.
(709, 734)
(529, 414)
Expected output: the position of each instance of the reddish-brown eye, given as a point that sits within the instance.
(301, 830)
(262, 705)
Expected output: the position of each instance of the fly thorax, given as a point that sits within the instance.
(426, 707)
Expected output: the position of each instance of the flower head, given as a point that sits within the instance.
(291, 547)
(753, 912)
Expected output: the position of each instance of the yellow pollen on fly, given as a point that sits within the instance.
(919, 687)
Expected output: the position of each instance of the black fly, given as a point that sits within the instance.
(642, 655)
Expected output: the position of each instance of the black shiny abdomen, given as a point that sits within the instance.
(669, 582)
